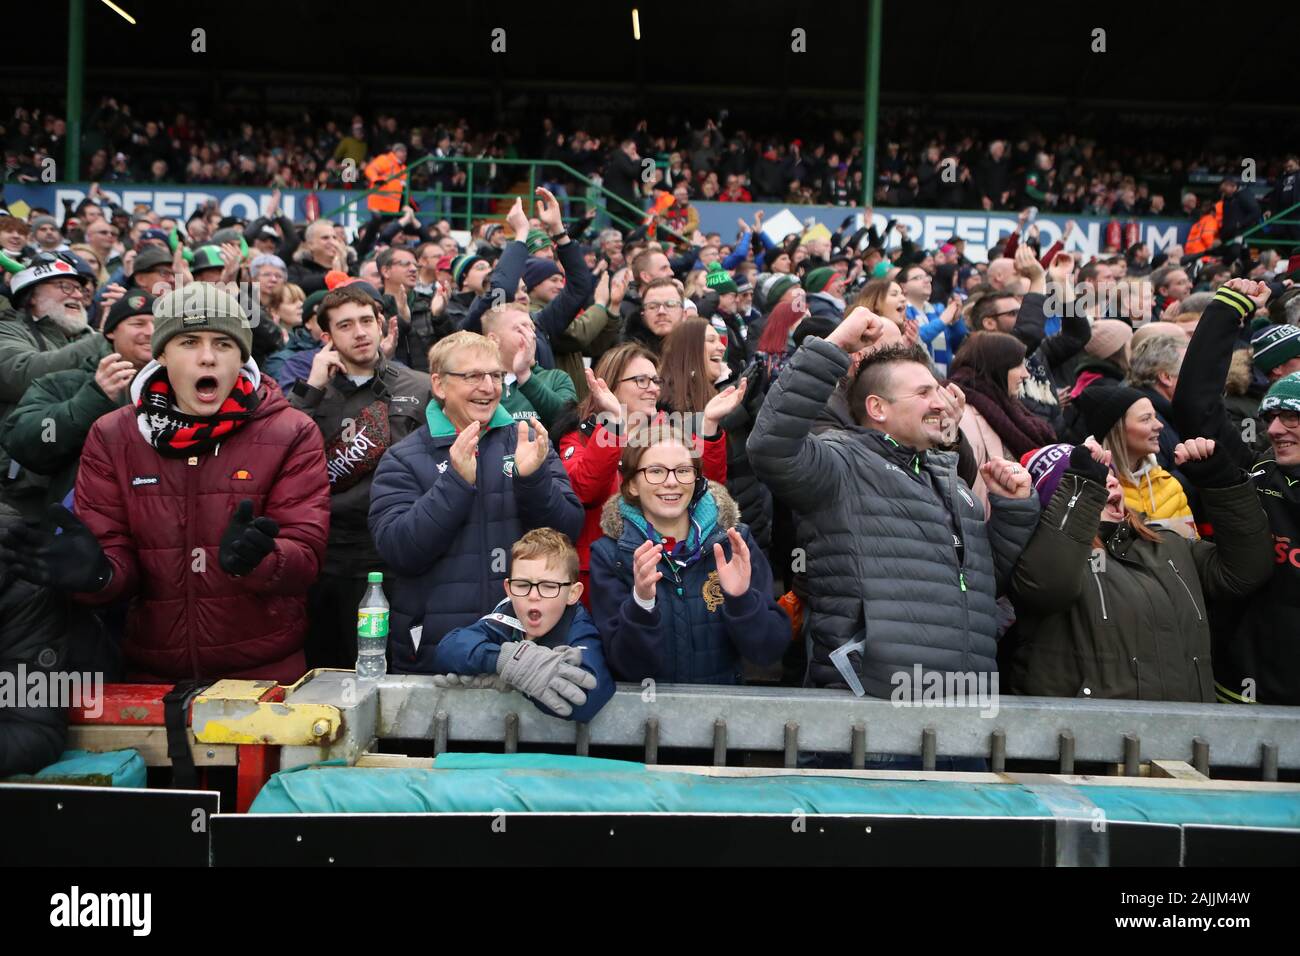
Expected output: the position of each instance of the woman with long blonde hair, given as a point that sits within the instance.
(1124, 421)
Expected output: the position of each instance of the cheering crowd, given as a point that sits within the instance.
(823, 461)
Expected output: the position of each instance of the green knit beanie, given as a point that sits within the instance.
(1284, 396)
(536, 241)
(460, 266)
(719, 280)
(817, 279)
(200, 307)
(1275, 345)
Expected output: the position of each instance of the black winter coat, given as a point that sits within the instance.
(622, 177)
(358, 424)
(752, 496)
(32, 639)
(1256, 640)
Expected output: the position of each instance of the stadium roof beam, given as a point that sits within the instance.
(871, 105)
(76, 58)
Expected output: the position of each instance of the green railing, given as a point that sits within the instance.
(1278, 220)
(463, 203)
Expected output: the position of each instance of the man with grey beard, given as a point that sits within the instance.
(45, 330)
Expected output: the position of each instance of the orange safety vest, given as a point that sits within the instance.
(387, 175)
(1202, 235)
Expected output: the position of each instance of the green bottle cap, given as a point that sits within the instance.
(375, 577)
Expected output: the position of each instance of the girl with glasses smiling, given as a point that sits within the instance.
(680, 590)
(622, 393)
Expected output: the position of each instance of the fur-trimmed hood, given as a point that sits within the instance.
(1238, 380)
(611, 521)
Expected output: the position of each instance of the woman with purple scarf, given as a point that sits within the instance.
(990, 369)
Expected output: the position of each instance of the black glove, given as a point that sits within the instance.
(1217, 471)
(1083, 464)
(70, 560)
(247, 540)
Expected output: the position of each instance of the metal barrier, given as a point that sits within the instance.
(788, 721)
(623, 213)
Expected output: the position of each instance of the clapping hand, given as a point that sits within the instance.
(722, 405)
(114, 375)
(645, 573)
(464, 452)
(1027, 264)
(733, 575)
(604, 398)
(548, 211)
(530, 452)
(388, 344)
(618, 288)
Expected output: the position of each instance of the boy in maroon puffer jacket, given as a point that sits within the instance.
(205, 500)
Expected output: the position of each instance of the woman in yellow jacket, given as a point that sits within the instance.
(1126, 424)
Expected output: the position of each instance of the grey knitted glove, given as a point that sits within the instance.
(551, 676)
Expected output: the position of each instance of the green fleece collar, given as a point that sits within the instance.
(440, 425)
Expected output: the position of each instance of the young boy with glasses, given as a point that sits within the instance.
(540, 639)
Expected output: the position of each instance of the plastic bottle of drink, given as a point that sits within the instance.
(372, 630)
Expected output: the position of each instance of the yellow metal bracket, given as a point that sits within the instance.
(235, 712)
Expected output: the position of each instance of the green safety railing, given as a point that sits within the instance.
(621, 212)
(1277, 220)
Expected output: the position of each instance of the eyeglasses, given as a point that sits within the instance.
(1289, 419)
(658, 474)
(474, 378)
(67, 287)
(643, 382)
(521, 587)
(663, 306)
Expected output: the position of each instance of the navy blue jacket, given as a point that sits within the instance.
(475, 649)
(448, 542)
(697, 636)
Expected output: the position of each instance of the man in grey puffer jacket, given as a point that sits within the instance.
(899, 553)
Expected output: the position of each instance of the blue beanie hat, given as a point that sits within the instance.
(537, 271)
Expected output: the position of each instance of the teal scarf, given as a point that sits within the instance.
(704, 521)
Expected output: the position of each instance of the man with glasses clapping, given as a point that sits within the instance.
(449, 501)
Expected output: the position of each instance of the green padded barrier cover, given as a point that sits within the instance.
(522, 783)
(118, 768)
